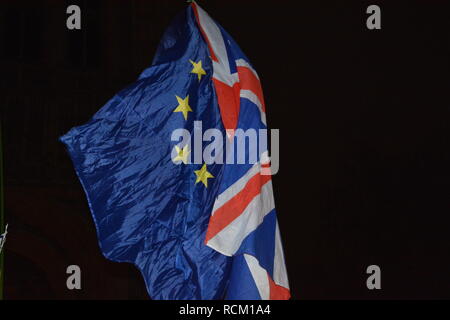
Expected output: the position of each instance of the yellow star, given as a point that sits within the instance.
(183, 106)
(203, 175)
(198, 70)
(182, 154)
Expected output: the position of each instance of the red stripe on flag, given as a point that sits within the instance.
(278, 292)
(249, 81)
(235, 206)
(228, 99)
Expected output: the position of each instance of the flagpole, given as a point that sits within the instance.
(2, 222)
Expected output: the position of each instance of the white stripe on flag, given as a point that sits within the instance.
(229, 239)
(259, 276)
(236, 187)
(243, 63)
(279, 267)
(222, 68)
(239, 185)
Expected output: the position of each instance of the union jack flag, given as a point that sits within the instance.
(243, 223)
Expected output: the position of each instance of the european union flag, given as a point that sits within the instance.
(202, 230)
(148, 210)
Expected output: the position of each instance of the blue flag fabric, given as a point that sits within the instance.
(147, 210)
(191, 238)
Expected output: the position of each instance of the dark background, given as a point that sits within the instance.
(363, 118)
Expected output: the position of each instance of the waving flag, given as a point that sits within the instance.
(201, 230)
